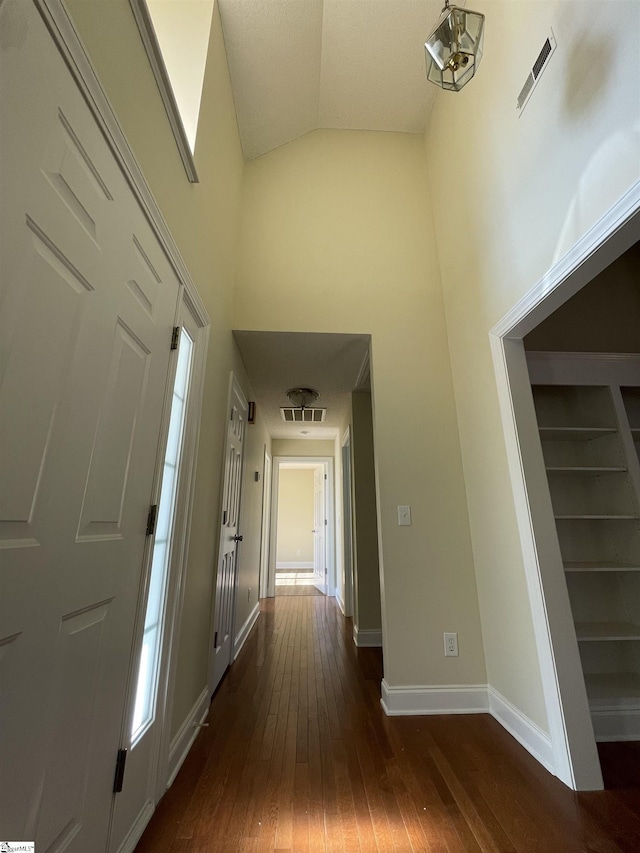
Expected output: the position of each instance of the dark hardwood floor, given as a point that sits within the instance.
(300, 758)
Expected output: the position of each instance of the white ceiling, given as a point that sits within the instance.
(298, 65)
(277, 361)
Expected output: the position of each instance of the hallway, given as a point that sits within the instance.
(299, 757)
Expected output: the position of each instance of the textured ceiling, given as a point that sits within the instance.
(298, 65)
(277, 361)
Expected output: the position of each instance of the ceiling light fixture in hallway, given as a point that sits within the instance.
(454, 48)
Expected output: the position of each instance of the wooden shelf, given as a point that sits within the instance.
(613, 691)
(602, 566)
(597, 517)
(596, 631)
(583, 469)
(574, 433)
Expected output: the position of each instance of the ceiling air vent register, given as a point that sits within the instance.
(302, 416)
(536, 72)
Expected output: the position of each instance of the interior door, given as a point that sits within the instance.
(347, 528)
(265, 545)
(319, 531)
(87, 307)
(147, 695)
(230, 537)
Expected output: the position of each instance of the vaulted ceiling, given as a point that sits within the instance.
(298, 65)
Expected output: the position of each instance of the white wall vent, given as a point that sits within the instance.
(303, 416)
(536, 72)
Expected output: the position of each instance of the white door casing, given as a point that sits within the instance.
(224, 606)
(88, 305)
(575, 757)
(326, 463)
(319, 530)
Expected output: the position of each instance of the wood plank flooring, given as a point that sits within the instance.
(300, 758)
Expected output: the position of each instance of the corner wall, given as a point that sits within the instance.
(523, 190)
(367, 615)
(337, 236)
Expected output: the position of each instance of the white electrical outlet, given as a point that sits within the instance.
(404, 516)
(298, 553)
(451, 645)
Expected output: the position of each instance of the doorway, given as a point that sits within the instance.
(574, 755)
(302, 527)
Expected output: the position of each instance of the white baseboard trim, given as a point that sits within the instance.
(367, 637)
(420, 700)
(186, 734)
(134, 835)
(283, 564)
(616, 724)
(525, 731)
(244, 632)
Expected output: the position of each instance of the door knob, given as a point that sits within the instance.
(237, 538)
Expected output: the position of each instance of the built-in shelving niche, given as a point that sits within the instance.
(590, 437)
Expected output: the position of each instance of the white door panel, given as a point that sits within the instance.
(319, 531)
(84, 365)
(226, 579)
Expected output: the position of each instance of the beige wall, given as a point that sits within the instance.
(366, 564)
(602, 317)
(511, 195)
(302, 447)
(203, 219)
(344, 217)
(295, 516)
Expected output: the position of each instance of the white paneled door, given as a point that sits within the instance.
(88, 305)
(230, 537)
(319, 531)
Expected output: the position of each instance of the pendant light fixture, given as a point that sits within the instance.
(454, 48)
(302, 398)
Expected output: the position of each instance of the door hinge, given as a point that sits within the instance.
(118, 779)
(151, 519)
(325, 476)
(325, 521)
(175, 337)
(224, 517)
(215, 640)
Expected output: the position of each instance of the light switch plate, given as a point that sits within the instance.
(404, 516)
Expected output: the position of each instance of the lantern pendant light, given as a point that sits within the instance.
(454, 48)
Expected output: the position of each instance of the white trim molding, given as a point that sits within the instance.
(156, 61)
(575, 757)
(583, 368)
(424, 700)
(130, 841)
(605, 241)
(367, 637)
(244, 632)
(186, 734)
(524, 730)
(298, 564)
(612, 724)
